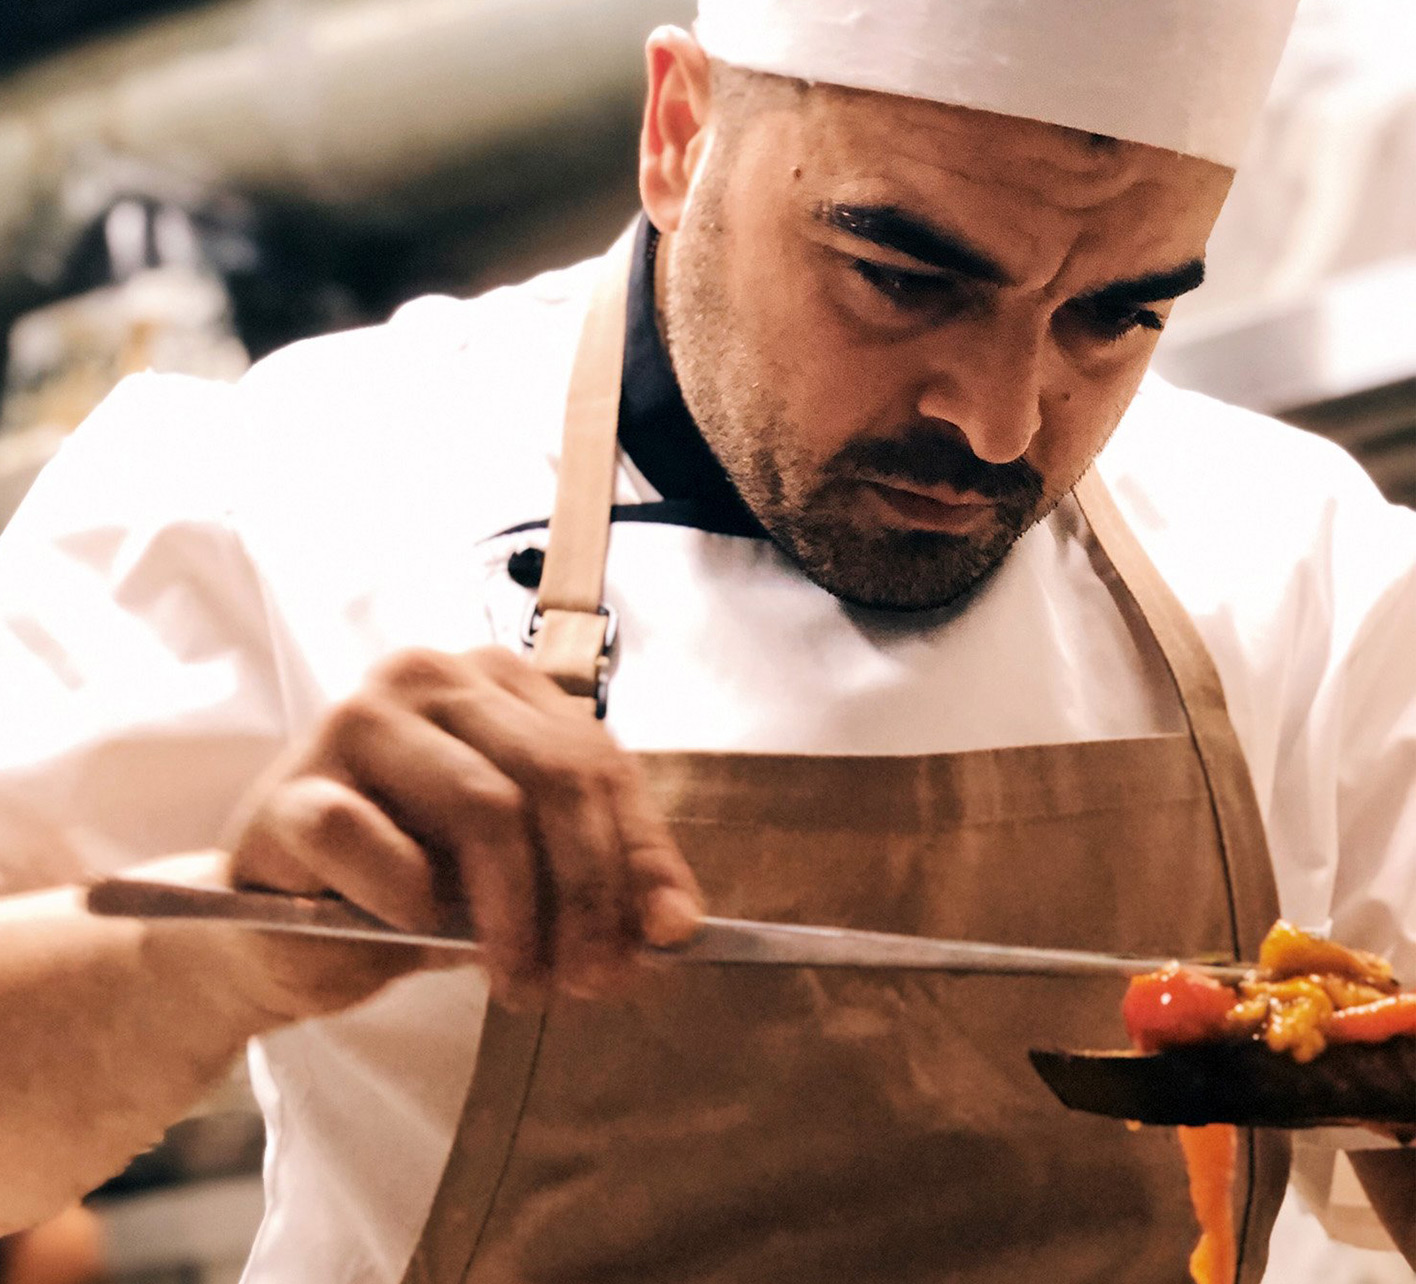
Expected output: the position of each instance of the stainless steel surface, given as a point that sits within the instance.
(721, 940)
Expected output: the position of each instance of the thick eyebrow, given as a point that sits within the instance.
(1156, 287)
(893, 229)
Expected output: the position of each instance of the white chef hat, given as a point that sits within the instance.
(1187, 75)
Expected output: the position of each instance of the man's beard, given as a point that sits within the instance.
(805, 506)
(901, 568)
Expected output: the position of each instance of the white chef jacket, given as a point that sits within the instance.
(205, 568)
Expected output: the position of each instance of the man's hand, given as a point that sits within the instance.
(465, 790)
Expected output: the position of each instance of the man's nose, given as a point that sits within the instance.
(991, 391)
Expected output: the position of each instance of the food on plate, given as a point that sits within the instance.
(1316, 1034)
(1306, 995)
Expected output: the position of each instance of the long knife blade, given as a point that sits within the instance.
(720, 940)
(727, 940)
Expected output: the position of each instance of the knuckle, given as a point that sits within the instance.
(416, 671)
(498, 661)
(500, 801)
(354, 719)
(491, 813)
(570, 768)
(330, 818)
(562, 779)
(617, 774)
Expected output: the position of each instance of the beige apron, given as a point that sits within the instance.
(736, 1125)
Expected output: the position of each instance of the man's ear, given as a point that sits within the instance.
(676, 124)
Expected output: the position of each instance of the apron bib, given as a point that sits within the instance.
(728, 1125)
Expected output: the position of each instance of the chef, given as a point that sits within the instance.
(823, 554)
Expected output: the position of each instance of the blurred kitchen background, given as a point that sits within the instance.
(186, 186)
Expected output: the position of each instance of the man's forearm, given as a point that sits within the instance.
(110, 1031)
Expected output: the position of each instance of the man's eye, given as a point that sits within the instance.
(903, 288)
(1111, 324)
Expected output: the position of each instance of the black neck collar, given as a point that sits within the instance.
(656, 430)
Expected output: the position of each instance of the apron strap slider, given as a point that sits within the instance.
(575, 648)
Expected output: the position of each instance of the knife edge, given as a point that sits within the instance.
(724, 941)
(740, 941)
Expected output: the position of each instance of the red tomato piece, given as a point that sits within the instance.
(1175, 1006)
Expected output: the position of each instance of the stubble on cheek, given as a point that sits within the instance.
(733, 385)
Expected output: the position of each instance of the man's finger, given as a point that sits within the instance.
(563, 764)
(338, 841)
(517, 676)
(472, 821)
(579, 841)
(666, 901)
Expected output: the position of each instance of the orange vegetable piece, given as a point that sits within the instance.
(1374, 1022)
(1209, 1159)
(1286, 952)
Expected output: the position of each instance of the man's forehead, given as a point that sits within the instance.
(866, 148)
(1016, 218)
(913, 131)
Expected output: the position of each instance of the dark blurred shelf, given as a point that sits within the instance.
(31, 28)
(205, 1148)
(1379, 427)
(198, 1233)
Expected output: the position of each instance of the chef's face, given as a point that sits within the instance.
(905, 329)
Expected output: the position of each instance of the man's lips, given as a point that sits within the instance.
(936, 508)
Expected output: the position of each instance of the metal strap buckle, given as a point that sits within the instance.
(532, 625)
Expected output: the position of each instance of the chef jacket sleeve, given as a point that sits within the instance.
(139, 689)
(1373, 896)
(1374, 889)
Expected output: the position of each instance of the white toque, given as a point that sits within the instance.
(1187, 75)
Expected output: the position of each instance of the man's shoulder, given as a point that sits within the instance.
(1194, 460)
(448, 391)
(449, 413)
(508, 344)
(1235, 505)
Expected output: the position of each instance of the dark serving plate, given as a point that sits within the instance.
(1241, 1083)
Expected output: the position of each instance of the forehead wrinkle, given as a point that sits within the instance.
(1028, 186)
(1043, 241)
(1018, 234)
(1014, 152)
(1038, 182)
(939, 136)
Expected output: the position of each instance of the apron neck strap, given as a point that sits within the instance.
(1253, 892)
(572, 632)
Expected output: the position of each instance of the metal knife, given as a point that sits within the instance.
(720, 940)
